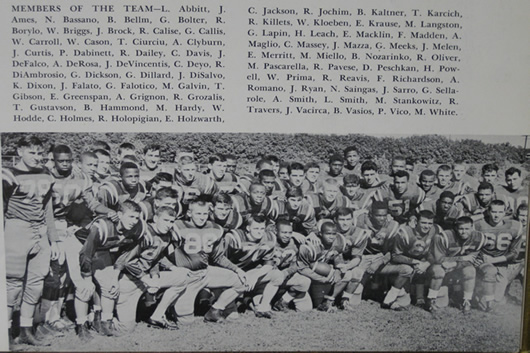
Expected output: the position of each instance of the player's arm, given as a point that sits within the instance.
(50, 220)
(92, 202)
(8, 188)
(127, 257)
(400, 248)
(218, 255)
(86, 254)
(304, 262)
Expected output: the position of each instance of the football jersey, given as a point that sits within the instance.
(26, 193)
(411, 244)
(308, 187)
(361, 199)
(446, 245)
(433, 194)
(112, 193)
(503, 239)
(380, 240)
(227, 183)
(232, 221)
(459, 188)
(310, 253)
(247, 253)
(200, 185)
(303, 219)
(347, 169)
(148, 209)
(446, 220)
(285, 255)
(325, 209)
(356, 239)
(244, 205)
(513, 198)
(195, 248)
(401, 206)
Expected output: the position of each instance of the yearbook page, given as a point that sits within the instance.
(264, 176)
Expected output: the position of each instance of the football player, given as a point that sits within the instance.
(310, 183)
(327, 202)
(103, 170)
(297, 210)
(514, 190)
(352, 160)
(223, 212)
(427, 184)
(231, 164)
(490, 173)
(29, 231)
(370, 177)
(190, 183)
(151, 162)
(445, 212)
(226, 182)
(257, 202)
(296, 175)
(474, 205)
(336, 164)
(112, 192)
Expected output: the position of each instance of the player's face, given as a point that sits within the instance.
(344, 222)
(103, 164)
(328, 236)
(296, 177)
(268, 181)
(257, 194)
(522, 216)
(444, 177)
(370, 176)
(275, 167)
(126, 152)
(222, 210)
(330, 192)
(283, 173)
(130, 177)
(161, 184)
(425, 225)
(218, 169)
(285, 232)
(188, 171)
(398, 165)
(497, 213)
(458, 171)
(335, 168)
(164, 222)
(231, 166)
(167, 202)
(445, 204)
(89, 166)
(463, 231)
(400, 184)
(409, 168)
(514, 181)
(198, 214)
(256, 230)
(485, 196)
(379, 217)
(152, 158)
(427, 182)
(351, 189)
(32, 156)
(294, 202)
(312, 174)
(63, 162)
(490, 177)
(128, 218)
(352, 158)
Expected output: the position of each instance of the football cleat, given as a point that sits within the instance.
(163, 324)
(326, 306)
(107, 328)
(345, 305)
(213, 315)
(263, 314)
(430, 305)
(280, 305)
(96, 324)
(420, 302)
(46, 330)
(26, 337)
(83, 333)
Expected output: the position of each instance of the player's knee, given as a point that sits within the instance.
(405, 271)
(357, 274)
(488, 273)
(302, 284)
(469, 272)
(436, 271)
(276, 277)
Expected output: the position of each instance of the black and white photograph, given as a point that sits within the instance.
(264, 241)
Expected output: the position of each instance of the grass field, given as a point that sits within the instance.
(367, 328)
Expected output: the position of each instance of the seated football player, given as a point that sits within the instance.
(190, 183)
(113, 192)
(317, 262)
(256, 202)
(140, 273)
(467, 182)
(453, 254)
(426, 183)
(352, 164)
(336, 163)
(150, 165)
(296, 174)
(297, 210)
(226, 182)
(444, 174)
(474, 205)
(285, 257)
(408, 257)
(310, 183)
(246, 180)
(402, 197)
(160, 180)
(370, 176)
(326, 202)
(360, 199)
(283, 172)
(105, 242)
(490, 173)
(88, 165)
(445, 212)
(498, 258)
(197, 247)
(103, 171)
(514, 191)
(251, 250)
(231, 164)
(274, 189)
(223, 212)
(126, 149)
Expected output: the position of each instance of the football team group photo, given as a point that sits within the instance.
(226, 241)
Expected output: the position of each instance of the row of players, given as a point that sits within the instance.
(111, 231)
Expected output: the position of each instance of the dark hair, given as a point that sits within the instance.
(29, 141)
(127, 165)
(222, 197)
(511, 171)
(295, 166)
(62, 149)
(351, 179)
(368, 165)
(294, 192)
(485, 186)
(152, 147)
(163, 193)
(401, 174)
(129, 205)
(426, 214)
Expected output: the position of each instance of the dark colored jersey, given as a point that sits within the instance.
(26, 193)
(325, 209)
(433, 194)
(503, 239)
(196, 248)
(513, 198)
(148, 209)
(310, 253)
(361, 199)
(285, 255)
(446, 246)
(356, 239)
(247, 253)
(303, 219)
(112, 193)
(401, 206)
(244, 205)
(227, 183)
(411, 245)
(445, 220)
(200, 185)
(308, 187)
(381, 240)
(232, 221)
